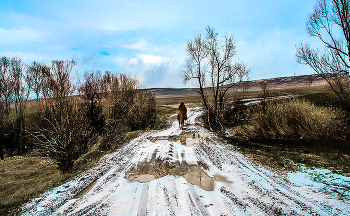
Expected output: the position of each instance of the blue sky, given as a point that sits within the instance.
(147, 39)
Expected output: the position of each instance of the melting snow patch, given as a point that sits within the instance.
(323, 180)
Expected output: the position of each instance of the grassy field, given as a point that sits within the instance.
(178, 100)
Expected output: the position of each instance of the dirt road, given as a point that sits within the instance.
(182, 172)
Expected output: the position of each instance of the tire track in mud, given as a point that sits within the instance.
(177, 174)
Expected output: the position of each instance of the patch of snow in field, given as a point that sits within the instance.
(323, 180)
(258, 100)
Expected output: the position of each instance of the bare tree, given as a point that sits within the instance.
(61, 87)
(14, 89)
(21, 90)
(195, 66)
(37, 72)
(5, 98)
(210, 63)
(5, 84)
(330, 22)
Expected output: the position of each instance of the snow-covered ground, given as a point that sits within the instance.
(167, 173)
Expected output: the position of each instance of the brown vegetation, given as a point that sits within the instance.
(294, 118)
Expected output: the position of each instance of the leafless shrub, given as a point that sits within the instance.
(66, 140)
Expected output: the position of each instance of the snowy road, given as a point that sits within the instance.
(182, 172)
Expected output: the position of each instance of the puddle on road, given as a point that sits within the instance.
(187, 139)
(141, 178)
(85, 190)
(194, 174)
(197, 176)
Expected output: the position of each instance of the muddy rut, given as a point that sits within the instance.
(182, 172)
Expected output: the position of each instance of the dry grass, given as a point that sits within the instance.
(317, 117)
(300, 118)
(25, 177)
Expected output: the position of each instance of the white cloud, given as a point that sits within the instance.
(152, 59)
(133, 61)
(139, 45)
(152, 71)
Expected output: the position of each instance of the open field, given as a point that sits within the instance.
(298, 85)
